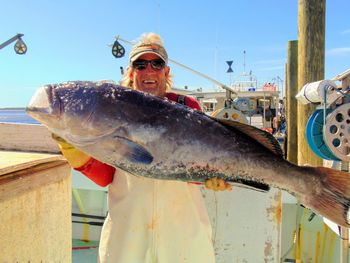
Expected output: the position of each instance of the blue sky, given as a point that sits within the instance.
(68, 40)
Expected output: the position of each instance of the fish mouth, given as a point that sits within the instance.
(44, 103)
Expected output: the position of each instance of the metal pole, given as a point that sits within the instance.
(264, 120)
(344, 246)
(204, 76)
(344, 231)
(8, 42)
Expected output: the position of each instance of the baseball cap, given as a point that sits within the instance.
(149, 43)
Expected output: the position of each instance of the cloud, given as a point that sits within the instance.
(271, 68)
(270, 64)
(338, 51)
(270, 61)
(17, 87)
(345, 32)
(272, 48)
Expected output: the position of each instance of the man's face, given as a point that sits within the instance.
(150, 80)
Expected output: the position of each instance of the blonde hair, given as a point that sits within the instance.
(149, 39)
(145, 39)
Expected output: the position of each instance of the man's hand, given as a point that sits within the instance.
(75, 157)
(217, 184)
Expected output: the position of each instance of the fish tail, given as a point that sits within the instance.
(332, 200)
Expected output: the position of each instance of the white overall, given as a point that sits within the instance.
(155, 221)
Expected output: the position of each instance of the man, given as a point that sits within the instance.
(150, 220)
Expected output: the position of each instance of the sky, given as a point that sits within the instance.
(71, 40)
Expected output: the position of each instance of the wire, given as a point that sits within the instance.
(89, 223)
(89, 216)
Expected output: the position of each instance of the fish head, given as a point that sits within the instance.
(63, 107)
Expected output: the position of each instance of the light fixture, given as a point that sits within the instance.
(20, 47)
(118, 50)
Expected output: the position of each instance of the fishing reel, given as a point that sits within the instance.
(328, 128)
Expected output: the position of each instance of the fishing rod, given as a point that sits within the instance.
(89, 216)
(118, 51)
(91, 223)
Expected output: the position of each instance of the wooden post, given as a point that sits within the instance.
(311, 47)
(292, 105)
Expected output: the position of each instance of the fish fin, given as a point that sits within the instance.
(121, 146)
(266, 139)
(252, 185)
(134, 152)
(129, 150)
(333, 199)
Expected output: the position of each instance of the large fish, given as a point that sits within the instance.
(153, 137)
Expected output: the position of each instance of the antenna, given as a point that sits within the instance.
(244, 62)
(280, 87)
(158, 16)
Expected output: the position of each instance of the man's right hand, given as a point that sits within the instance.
(75, 157)
(217, 184)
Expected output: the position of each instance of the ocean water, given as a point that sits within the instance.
(16, 116)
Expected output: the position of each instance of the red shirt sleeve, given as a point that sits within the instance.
(98, 172)
(192, 103)
(171, 96)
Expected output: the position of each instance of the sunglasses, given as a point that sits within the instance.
(141, 64)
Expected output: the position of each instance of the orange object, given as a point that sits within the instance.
(270, 130)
